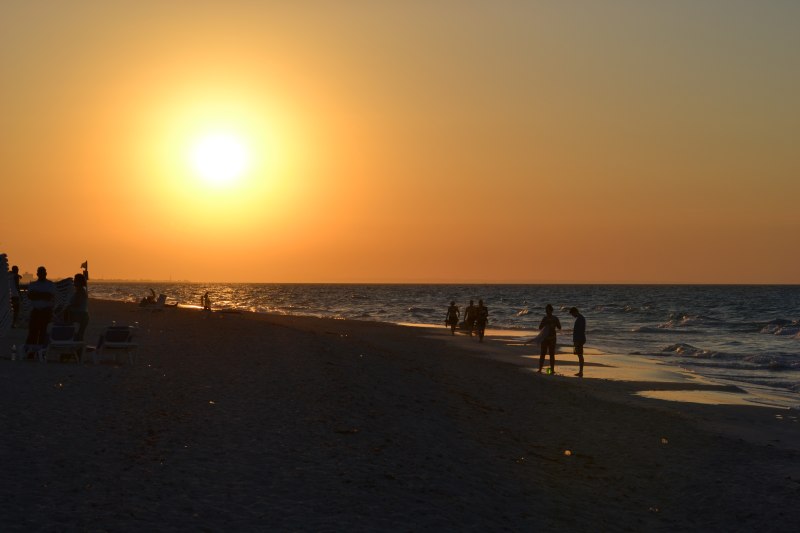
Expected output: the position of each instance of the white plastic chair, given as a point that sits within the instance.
(116, 338)
(61, 340)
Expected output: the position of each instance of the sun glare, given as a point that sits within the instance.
(220, 158)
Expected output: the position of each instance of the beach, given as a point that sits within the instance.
(252, 421)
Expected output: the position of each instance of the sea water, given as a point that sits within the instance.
(740, 334)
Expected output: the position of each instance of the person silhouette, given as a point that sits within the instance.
(13, 279)
(42, 294)
(470, 314)
(481, 318)
(78, 308)
(451, 319)
(578, 337)
(206, 302)
(548, 344)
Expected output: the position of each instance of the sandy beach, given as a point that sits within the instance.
(243, 422)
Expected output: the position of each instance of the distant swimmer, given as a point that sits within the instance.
(150, 299)
(578, 337)
(470, 315)
(481, 318)
(452, 317)
(551, 323)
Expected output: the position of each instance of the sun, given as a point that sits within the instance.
(220, 158)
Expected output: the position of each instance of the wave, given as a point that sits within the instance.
(523, 312)
(659, 329)
(685, 320)
(774, 361)
(762, 363)
(781, 326)
(687, 350)
(422, 310)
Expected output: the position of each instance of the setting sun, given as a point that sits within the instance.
(219, 158)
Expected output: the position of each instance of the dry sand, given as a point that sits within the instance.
(254, 422)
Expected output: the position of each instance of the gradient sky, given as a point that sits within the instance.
(420, 141)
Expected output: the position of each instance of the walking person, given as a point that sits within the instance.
(470, 314)
(451, 319)
(481, 318)
(578, 337)
(551, 323)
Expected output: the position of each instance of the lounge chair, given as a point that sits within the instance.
(158, 305)
(61, 340)
(116, 338)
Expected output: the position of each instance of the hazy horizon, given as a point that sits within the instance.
(358, 142)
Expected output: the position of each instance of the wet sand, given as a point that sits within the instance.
(236, 421)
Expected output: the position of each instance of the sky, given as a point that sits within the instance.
(421, 141)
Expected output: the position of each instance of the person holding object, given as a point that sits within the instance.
(578, 337)
(551, 323)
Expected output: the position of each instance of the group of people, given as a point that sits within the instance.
(42, 295)
(475, 318)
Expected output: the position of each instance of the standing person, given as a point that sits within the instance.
(578, 337)
(78, 307)
(42, 294)
(470, 314)
(481, 318)
(552, 323)
(13, 280)
(206, 302)
(451, 319)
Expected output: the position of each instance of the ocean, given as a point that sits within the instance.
(742, 334)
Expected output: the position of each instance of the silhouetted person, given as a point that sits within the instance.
(150, 299)
(13, 281)
(552, 323)
(578, 337)
(470, 314)
(206, 302)
(481, 318)
(452, 317)
(42, 294)
(78, 307)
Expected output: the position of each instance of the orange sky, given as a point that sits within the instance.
(444, 141)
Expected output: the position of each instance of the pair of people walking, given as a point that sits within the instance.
(548, 335)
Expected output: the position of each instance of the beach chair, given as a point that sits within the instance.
(61, 340)
(116, 339)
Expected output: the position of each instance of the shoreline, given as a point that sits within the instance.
(246, 421)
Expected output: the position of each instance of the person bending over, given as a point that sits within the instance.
(552, 323)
